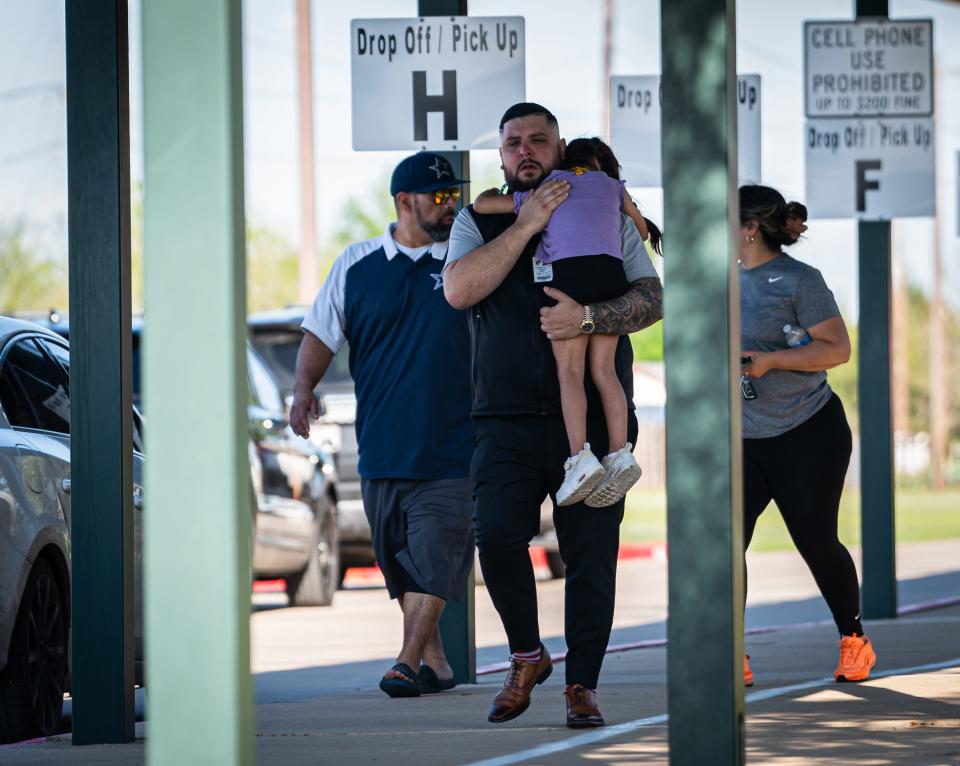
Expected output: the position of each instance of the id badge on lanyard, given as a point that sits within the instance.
(542, 272)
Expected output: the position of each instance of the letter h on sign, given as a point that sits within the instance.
(446, 103)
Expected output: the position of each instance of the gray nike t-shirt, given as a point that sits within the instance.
(779, 292)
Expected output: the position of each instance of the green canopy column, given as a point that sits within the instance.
(101, 422)
(702, 344)
(195, 392)
(457, 624)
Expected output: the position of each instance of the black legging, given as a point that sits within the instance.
(803, 471)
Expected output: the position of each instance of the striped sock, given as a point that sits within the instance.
(535, 656)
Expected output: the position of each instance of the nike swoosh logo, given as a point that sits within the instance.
(774, 279)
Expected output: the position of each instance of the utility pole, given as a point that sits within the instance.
(608, 11)
(900, 343)
(939, 396)
(307, 272)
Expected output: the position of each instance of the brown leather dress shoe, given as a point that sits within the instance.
(582, 710)
(514, 697)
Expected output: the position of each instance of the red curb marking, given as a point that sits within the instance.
(538, 555)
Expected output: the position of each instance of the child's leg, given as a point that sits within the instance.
(602, 354)
(571, 362)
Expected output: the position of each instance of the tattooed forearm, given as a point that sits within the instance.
(639, 307)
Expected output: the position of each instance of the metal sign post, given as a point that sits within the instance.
(870, 155)
(458, 621)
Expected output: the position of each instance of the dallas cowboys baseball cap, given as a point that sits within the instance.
(423, 172)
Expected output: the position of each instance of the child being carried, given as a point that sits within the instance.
(580, 254)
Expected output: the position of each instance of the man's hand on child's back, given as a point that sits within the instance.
(539, 206)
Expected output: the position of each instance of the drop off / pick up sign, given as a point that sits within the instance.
(437, 82)
(869, 139)
(635, 130)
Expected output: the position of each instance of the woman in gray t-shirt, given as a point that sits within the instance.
(796, 441)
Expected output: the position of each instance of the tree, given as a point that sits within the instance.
(271, 269)
(28, 281)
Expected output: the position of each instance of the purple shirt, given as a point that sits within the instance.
(587, 222)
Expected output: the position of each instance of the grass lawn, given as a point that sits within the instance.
(921, 515)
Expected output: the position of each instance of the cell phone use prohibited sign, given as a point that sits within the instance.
(868, 68)
(438, 82)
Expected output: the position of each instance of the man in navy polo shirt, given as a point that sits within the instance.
(410, 360)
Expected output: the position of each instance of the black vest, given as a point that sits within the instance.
(513, 369)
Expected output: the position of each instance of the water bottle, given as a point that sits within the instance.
(796, 336)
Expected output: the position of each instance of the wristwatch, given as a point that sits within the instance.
(586, 325)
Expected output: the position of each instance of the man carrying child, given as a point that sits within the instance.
(520, 440)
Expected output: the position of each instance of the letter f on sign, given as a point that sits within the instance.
(863, 184)
(446, 103)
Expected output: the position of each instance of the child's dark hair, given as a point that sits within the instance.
(594, 153)
(591, 153)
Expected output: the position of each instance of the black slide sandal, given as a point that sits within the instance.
(401, 687)
(431, 683)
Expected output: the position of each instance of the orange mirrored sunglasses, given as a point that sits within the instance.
(440, 196)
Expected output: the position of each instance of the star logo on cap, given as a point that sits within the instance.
(437, 168)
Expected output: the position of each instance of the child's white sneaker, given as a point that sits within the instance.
(582, 473)
(622, 472)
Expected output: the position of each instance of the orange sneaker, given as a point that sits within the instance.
(856, 659)
(747, 673)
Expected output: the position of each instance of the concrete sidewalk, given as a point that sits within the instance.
(909, 713)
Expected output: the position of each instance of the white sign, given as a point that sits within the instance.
(439, 83)
(635, 102)
(875, 169)
(868, 68)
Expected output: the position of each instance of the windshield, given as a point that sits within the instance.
(279, 350)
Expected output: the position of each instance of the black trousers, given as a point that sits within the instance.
(516, 463)
(803, 471)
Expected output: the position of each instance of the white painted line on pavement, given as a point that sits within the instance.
(609, 732)
(920, 606)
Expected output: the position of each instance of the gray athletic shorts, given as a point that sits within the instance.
(422, 534)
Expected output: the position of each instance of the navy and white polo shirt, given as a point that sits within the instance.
(409, 357)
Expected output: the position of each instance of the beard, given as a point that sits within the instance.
(526, 184)
(438, 231)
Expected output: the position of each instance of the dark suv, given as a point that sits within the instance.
(276, 337)
(293, 487)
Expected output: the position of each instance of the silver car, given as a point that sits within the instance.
(35, 530)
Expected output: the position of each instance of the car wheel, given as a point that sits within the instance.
(32, 683)
(558, 570)
(317, 584)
